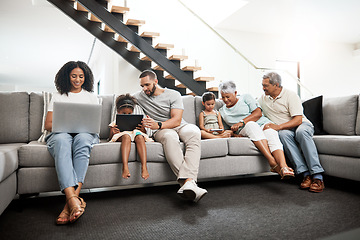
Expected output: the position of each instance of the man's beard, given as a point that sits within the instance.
(151, 91)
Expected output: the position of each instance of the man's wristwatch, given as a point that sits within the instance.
(160, 125)
(242, 121)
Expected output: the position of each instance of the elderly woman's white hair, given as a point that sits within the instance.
(227, 87)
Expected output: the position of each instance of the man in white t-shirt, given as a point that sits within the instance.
(284, 108)
(164, 108)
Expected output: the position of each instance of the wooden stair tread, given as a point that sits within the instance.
(181, 85)
(135, 22)
(213, 89)
(134, 49)
(94, 18)
(164, 46)
(150, 34)
(119, 9)
(108, 29)
(205, 79)
(178, 57)
(146, 58)
(169, 77)
(191, 68)
(79, 7)
(157, 67)
(121, 39)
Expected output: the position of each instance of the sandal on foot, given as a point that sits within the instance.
(286, 173)
(274, 169)
(63, 215)
(77, 208)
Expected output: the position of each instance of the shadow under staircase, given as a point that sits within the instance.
(105, 21)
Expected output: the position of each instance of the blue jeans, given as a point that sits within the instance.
(300, 148)
(71, 154)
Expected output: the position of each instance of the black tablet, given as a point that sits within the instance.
(128, 122)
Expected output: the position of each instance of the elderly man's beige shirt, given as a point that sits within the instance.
(283, 108)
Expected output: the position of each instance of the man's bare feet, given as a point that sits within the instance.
(126, 173)
(144, 173)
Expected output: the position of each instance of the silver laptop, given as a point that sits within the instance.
(76, 117)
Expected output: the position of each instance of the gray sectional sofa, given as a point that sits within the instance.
(26, 166)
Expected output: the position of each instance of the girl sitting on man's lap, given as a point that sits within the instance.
(125, 104)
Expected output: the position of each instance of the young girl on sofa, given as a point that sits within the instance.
(125, 104)
(210, 122)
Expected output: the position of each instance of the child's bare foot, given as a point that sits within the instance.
(144, 173)
(126, 173)
(225, 135)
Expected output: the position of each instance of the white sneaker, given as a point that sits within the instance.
(191, 191)
(180, 192)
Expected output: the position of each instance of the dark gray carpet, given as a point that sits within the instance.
(245, 208)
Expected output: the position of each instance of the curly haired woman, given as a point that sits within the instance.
(74, 83)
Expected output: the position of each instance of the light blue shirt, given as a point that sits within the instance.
(245, 105)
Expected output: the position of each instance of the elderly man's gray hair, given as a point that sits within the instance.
(227, 87)
(273, 78)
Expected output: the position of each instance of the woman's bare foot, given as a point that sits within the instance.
(126, 173)
(64, 217)
(144, 173)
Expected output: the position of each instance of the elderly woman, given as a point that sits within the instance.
(245, 117)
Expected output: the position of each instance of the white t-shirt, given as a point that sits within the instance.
(283, 108)
(81, 97)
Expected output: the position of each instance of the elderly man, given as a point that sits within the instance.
(164, 108)
(284, 108)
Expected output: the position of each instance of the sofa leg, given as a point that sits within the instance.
(21, 203)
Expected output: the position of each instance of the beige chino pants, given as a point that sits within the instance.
(183, 165)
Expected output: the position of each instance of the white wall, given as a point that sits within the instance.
(116, 76)
(327, 68)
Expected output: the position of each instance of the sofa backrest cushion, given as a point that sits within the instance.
(313, 111)
(107, 108)
(357, 129)
(35, 115)
(339, 115)
(14, 121)
(189, 109)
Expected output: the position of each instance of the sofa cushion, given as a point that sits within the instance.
(211, 148)
(340, 114)
(36, 154)
(107, 106)
(338, 145)
(14, 109)
(313, 112)
(36, 114)
(155, 152)
(189, 109)
(8, 159)
(242, 146)
(357, 130)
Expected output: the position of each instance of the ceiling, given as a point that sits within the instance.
(37, 39)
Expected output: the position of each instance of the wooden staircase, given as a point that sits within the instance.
(106, 22)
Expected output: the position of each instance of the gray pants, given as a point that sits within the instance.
(183, 166)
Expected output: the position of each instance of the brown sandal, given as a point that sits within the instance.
(64, 214)
(286, 173)
(274, 170)
(77, 208)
